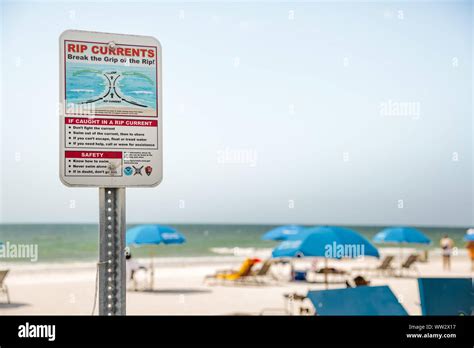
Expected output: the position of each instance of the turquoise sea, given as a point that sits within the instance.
(88, 82)
(78, 242)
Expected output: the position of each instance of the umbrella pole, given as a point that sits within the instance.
(400, 256)
(326, 272)
(292, 271)
(152, 271)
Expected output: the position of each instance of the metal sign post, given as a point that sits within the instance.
(112, 279)
(110, 135)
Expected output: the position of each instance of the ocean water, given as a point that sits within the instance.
(79, 242)
(87, 82)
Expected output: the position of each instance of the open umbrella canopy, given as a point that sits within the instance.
(468, 237)
(326, 241)
(401, 235)
(153, 234)
(362, 300)
(283, 232)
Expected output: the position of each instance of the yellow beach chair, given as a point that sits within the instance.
(235, 275)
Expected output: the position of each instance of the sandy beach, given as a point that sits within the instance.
(68, 288)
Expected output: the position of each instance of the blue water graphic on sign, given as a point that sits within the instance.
(98, 84)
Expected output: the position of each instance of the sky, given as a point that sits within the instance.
(310, 112)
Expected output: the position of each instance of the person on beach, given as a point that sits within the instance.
(470, 249)
(447, 246)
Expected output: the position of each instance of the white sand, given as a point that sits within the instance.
(69, 288)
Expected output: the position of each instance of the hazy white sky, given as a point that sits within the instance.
(317, 113)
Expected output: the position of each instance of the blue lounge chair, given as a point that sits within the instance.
(364, 300)
(446, 296)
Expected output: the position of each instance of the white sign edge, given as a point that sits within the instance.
(61, 109)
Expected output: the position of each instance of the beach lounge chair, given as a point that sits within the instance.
(262, 275)
(363, 300)
(446, 296)
(385, 267)
(3, 287)
(263, 271)
(409, 264)
(293, 303)
(133, 277)
(234, 275)
(292, 299)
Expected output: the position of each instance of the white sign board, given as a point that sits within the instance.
(110, 110)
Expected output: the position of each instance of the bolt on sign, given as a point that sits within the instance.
(110, 110)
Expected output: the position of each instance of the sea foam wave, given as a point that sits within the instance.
(238, 251)
(82, 90)
(141, 92)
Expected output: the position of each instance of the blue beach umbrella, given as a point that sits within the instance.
(283, 232)
(469, 235)
(153, 235)
(327, 242)
(400, 235)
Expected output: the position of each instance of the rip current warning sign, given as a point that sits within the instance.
(110, 110)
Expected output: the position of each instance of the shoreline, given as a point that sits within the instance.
(216, 259)
(223, 254)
